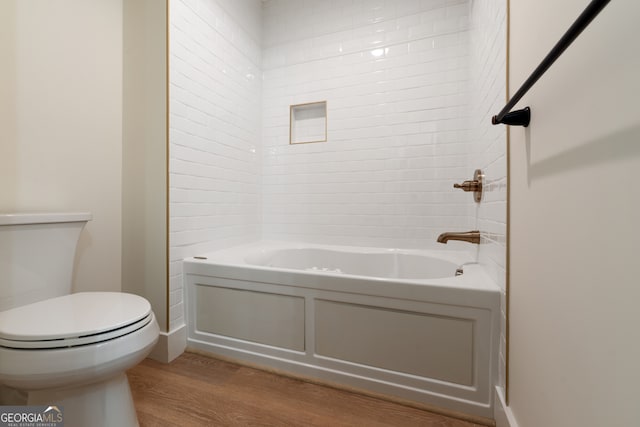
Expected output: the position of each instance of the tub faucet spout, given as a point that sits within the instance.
(467, 236)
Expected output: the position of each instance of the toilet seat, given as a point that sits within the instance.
(73, 320)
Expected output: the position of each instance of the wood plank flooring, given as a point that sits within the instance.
(196, 390)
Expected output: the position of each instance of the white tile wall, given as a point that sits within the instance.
(488, 83)
(410, 86)
(394, 75)
(215, 158)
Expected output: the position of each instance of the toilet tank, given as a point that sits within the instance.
(37, 252)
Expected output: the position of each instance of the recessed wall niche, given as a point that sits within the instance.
(308, 123)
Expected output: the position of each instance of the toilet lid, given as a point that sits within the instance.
(76, 319)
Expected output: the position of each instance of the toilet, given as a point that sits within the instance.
(59, 348)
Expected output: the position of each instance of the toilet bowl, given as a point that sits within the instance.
(68, 350)
(73, 351)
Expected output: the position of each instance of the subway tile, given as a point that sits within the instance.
(399, 130)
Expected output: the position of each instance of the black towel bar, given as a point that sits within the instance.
(523, 116)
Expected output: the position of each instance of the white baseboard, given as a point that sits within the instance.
(501, 412)
(170, 345)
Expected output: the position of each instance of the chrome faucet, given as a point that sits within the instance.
(467, 236)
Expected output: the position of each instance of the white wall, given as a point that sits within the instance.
(61, 121)
(487, 147)
(574, 244)
(144, 147)
(215, 164)
(397, 122)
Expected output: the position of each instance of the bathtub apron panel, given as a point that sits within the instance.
(433, 341)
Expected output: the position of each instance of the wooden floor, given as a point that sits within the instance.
(195, 390)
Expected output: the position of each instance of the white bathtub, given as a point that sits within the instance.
(383, 320)
(386, 264)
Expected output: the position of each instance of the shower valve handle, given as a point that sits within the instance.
(469, 185)
(474, 185)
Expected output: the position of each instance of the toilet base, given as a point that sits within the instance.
(103, 404)
(12, 397)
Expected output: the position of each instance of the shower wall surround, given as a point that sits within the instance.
(215, 159)
(410, 86)
(488, 143)
(394, 75)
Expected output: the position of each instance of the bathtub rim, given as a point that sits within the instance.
(474, 288)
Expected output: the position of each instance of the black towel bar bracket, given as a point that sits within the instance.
(514, 118)
(523, 117)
